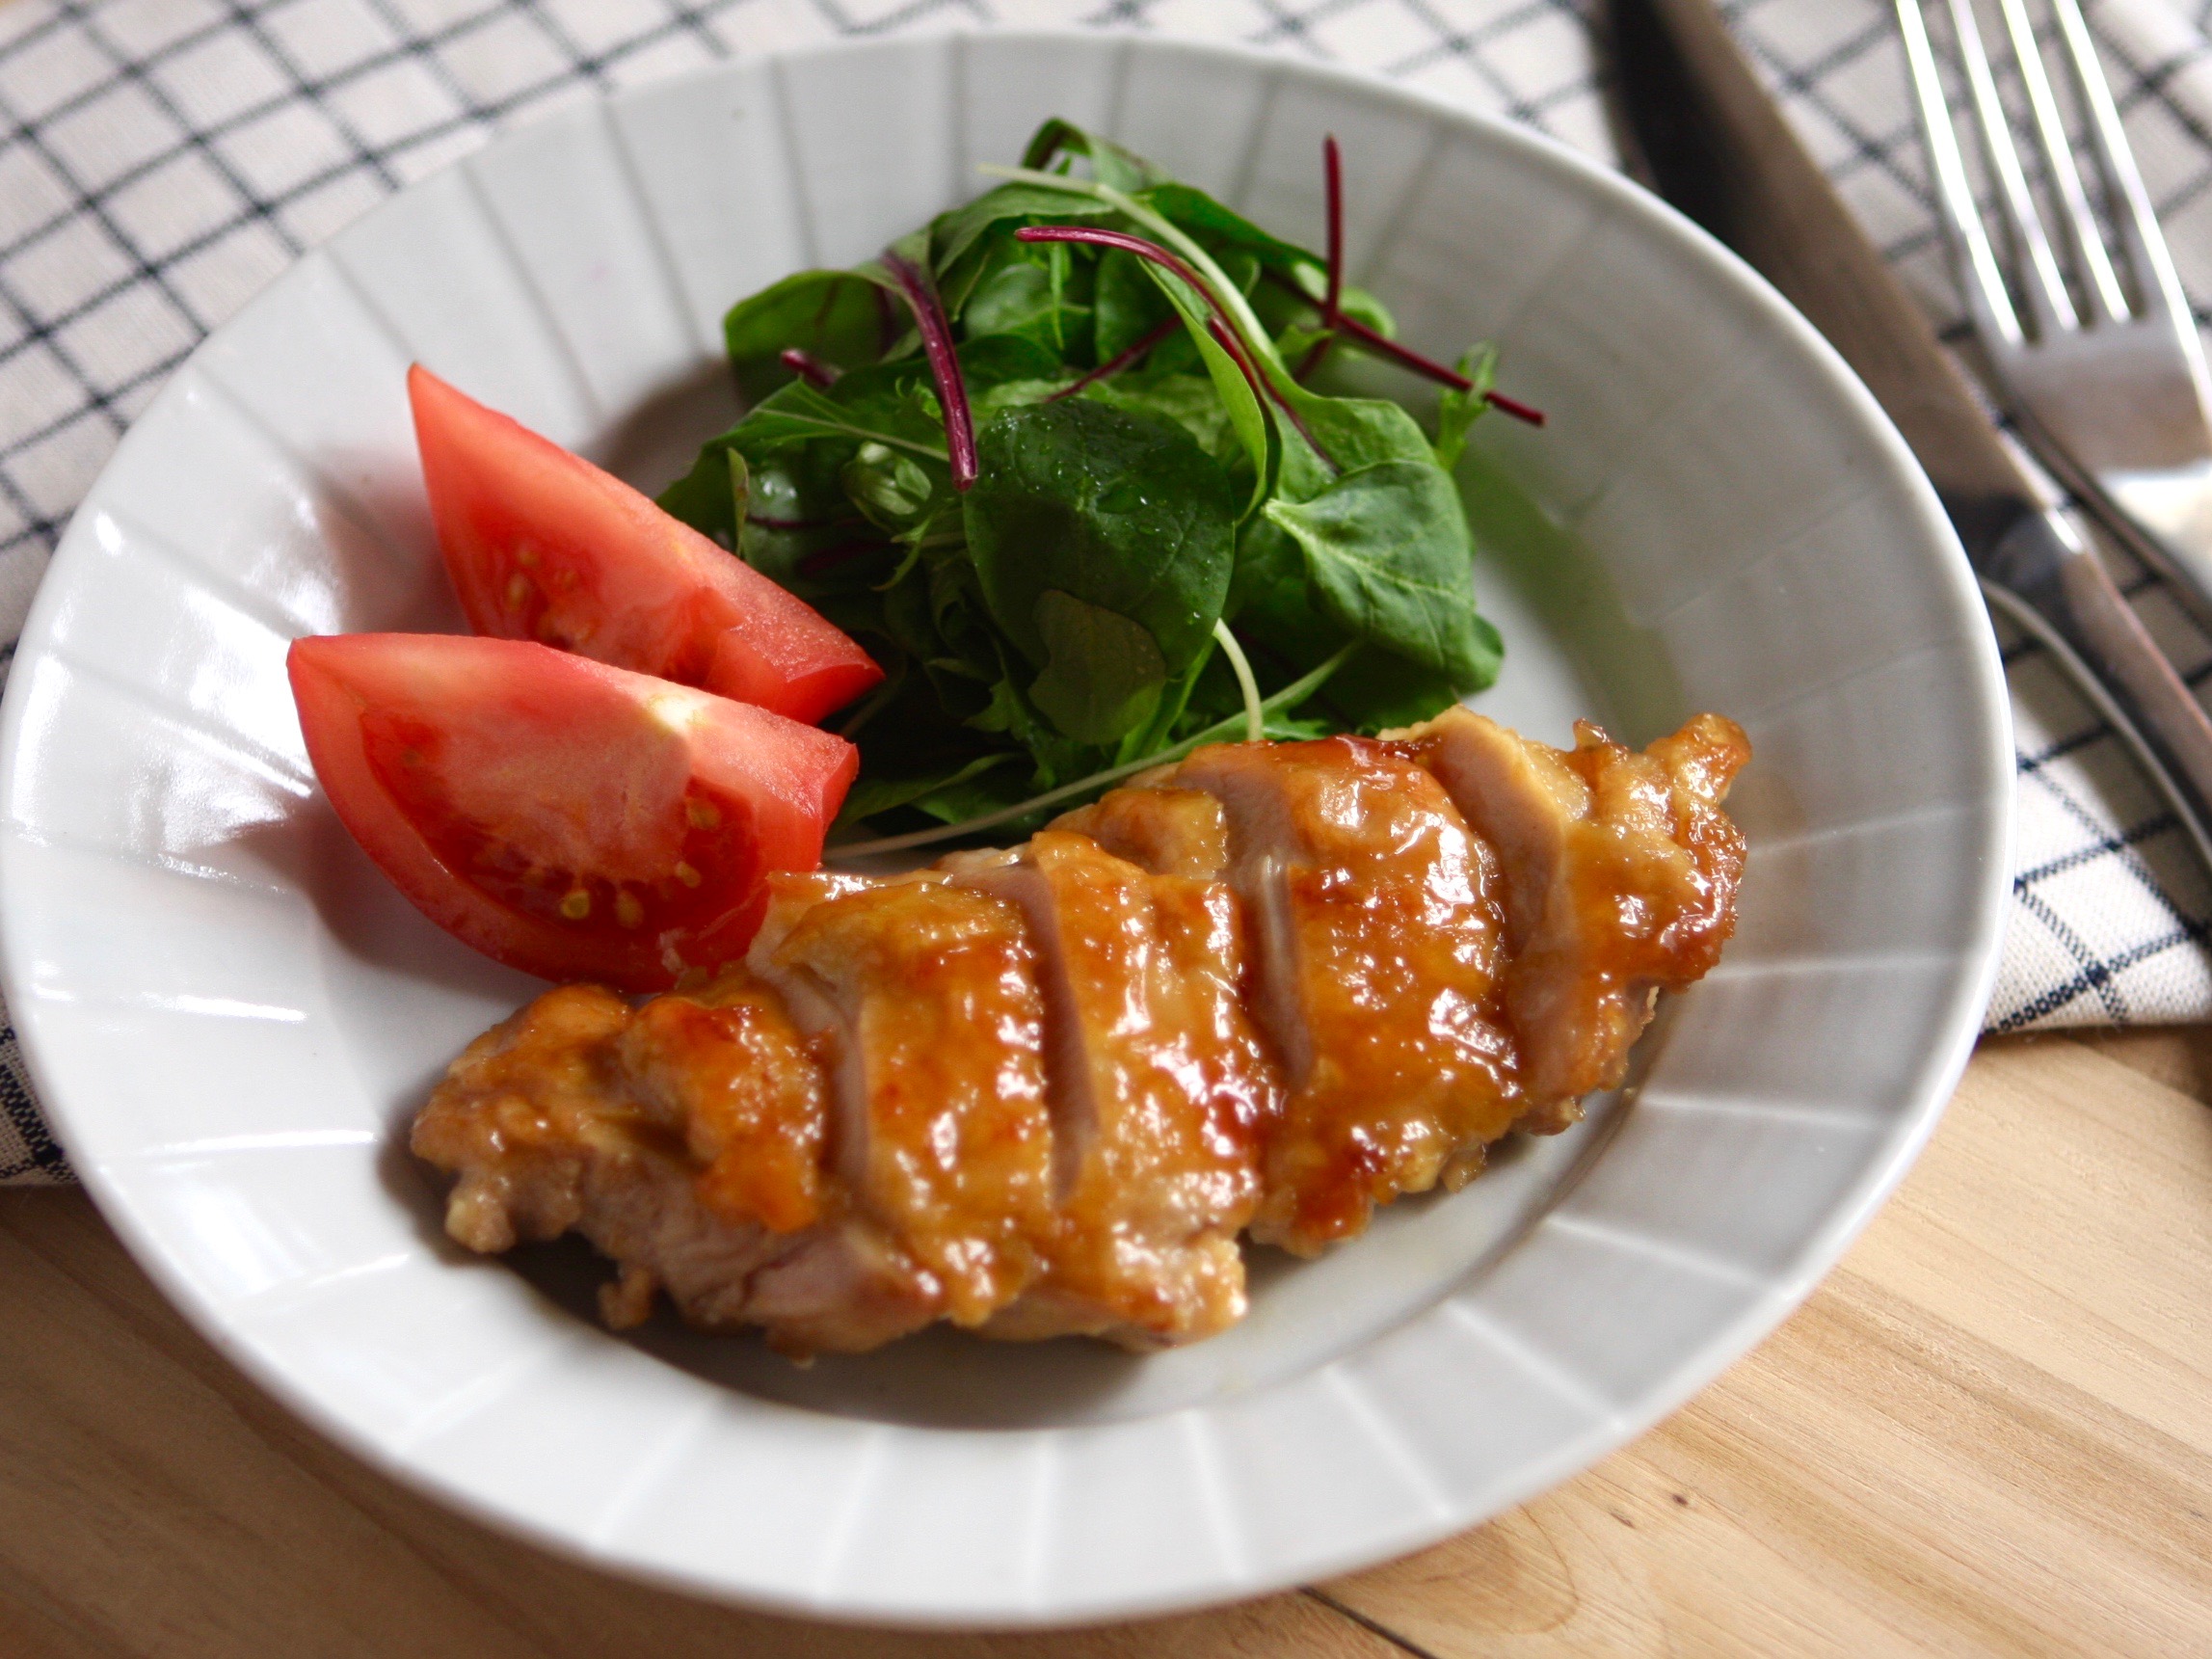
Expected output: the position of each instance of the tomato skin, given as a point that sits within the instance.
(565, 817)
(542, 544)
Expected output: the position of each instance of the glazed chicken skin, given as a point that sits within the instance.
(1161, 1088)
(1375, 915)
(1042, 1092)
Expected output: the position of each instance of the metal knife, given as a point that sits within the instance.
(1701, 131)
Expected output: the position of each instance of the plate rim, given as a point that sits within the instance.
(1933, 1078)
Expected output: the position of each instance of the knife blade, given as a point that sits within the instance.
(1701, 131)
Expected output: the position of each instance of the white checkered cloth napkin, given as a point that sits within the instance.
(160, 160)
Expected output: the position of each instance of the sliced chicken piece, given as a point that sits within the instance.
(1378, 945)
(791, 893)
(678, 1140)
(727, 1070)
(1161, 1092)
(1620, 870)
(924, 998)
(1039, 1091)
(524, 1113)
(726, 1067)
(1166, 830)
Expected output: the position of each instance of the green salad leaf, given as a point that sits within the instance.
(1387, 551)
(1103, 541)
(1460, 408)
(834, 316)
(1176, 524)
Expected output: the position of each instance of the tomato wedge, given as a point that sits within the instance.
(570, 819)
(542, 544)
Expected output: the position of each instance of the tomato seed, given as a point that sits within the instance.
(576, 905)
(702, 814)
(627, 909)
(518, 591)
(687, 875)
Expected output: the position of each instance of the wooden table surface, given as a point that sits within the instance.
(1990, 1431)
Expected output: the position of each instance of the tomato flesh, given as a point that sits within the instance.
(541, 545)
(568, 819)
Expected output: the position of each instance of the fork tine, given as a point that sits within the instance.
(2137, 224)
(1979, 276)
(2049, 301)
(2082, 229)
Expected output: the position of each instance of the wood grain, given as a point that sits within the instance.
(1989, 1432)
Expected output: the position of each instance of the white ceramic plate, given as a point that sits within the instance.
(231, 1016)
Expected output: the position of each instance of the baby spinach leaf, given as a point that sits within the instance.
(1111, 165)
(1272, 603)
(999, 359)
(1353, 432)
(1387, 551)
(1126, 305)
(1056, 756)
(890, 404)
(1249, 417)
(1174, 702)
(1039, 292)
(1221, 229)
(892, 490)
(1055, 620)
(987, 792)
(1119, 509)
(1357, 302)
(800, 414)
(873, 795)
(954, 232)
(1378, 691)
(780, 487)
(1188, 400)
(1103, 673)
(834, 315)
(1459, 410)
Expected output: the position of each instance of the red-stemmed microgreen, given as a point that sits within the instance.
(1227, 298)
(1382, 345)
(1514, 406)
(1098, 236)
(1372, 340)
(1120, 359)
(1334, 320)
(1332, 295)
(1218, 324)
(1269, 390)
(1333, 183)
(809, 368)
(944, 363)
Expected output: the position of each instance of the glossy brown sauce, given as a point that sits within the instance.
(1044, 1090)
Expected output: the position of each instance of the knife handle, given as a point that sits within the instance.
(2042, 577)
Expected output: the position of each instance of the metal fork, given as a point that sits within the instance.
(2110, 389)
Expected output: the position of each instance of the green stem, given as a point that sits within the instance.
(1165, 229)
(877, 702)
(1291, 695)
(1255, 718)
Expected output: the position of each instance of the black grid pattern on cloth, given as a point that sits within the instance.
(2110, 911)
(160, 160)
